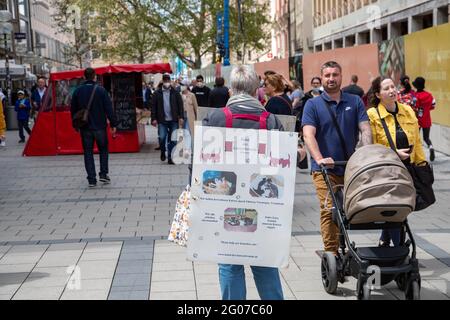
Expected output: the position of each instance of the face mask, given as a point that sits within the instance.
(200, 84)
(166, 85)
(183, 88)
(316, 90)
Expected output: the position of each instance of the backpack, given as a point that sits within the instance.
(262, 119)
(377, 187)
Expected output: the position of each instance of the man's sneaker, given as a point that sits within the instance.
(158, 148)
(21, 141)
(92, 185)
(105, 179)
(163, 156)
(171, 162)
(432, 155)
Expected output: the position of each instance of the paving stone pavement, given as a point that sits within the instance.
(61, 240)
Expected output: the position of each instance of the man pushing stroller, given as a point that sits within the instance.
(331, 126)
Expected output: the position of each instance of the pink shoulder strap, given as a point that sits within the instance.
(262, 119)
(228, 117)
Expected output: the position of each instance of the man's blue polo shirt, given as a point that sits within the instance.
(350, 112)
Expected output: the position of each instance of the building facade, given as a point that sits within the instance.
(280, 29)
(300, 36)
(301, 27)
(255, 56)
(47, 42)
(346, 23)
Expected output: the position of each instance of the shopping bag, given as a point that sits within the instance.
(180, 226)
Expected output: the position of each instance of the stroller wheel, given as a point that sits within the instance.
(329, 273)
(363, 291)
(413, 290)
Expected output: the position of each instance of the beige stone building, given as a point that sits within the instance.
(345, 23)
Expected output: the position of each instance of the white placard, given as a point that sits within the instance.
(243, 184)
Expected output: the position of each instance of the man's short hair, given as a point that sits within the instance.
(355, 78)
(200, 77)
(89, 74)
(330, 64)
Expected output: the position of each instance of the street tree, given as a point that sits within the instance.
(134, 30)
(78, 48)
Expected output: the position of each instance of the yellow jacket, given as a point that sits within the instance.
(2, 120)
(407, 120)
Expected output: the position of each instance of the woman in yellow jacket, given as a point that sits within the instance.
(403, 127)
(2, 123)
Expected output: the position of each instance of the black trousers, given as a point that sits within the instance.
(426, 136)
(23, 124)
(88, 137)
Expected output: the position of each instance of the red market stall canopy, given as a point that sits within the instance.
(53, 133)
(120, 68)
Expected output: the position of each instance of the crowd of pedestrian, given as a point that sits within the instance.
(27, 102)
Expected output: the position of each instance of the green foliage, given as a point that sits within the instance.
(136, 29)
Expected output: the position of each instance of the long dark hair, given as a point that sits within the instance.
(406, 84)
(374, 101)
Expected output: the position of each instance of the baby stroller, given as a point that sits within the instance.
(378, 194)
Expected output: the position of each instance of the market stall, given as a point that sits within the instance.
(53, 133)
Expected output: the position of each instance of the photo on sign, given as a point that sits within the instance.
(240, 220)
(219, 183)
(268, 187)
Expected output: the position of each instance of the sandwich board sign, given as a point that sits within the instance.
(242, 196)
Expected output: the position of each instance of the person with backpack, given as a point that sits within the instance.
(243, 110)
(331, 126)
(403, 128)
(425, 103)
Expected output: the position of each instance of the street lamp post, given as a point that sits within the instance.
(8, 76)
(226, 32)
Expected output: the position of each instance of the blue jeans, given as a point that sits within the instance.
(232, 282)
(165, 131)
(391, 234)
(87, 139)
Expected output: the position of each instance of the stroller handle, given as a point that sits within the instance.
(336, 164)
